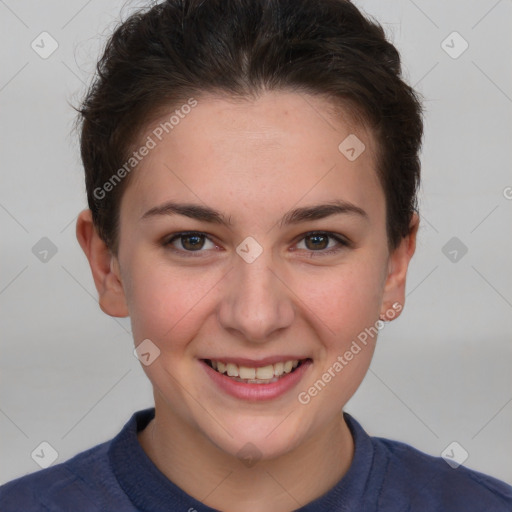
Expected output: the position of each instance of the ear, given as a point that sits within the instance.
(394, 289)
(104, 266)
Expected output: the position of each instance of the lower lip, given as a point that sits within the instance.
(256, 392)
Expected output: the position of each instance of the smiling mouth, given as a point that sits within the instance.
(252, 375)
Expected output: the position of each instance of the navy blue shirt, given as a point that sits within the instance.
(385, 476)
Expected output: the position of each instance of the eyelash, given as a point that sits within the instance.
(342, 243)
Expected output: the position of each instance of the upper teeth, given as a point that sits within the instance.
(263, 372)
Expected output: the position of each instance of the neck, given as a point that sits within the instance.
(221, 481)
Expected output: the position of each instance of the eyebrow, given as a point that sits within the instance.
(296, 216)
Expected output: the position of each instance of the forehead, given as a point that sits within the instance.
(278, 149)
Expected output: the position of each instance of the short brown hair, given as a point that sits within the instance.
(165, 54)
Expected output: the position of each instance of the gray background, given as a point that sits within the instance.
(441, 373)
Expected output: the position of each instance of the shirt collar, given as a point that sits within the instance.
(151, 491)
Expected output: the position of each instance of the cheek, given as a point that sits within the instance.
(345, 299)
(347, 306)
(165, 303)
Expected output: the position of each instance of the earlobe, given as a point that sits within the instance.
(104, 267)
(394, 290)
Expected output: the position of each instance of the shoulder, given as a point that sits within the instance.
(83, 483)
(431, 484)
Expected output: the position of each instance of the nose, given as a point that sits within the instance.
(256, 305)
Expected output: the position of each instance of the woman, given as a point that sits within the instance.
(251, 169)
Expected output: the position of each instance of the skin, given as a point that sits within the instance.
(252, 160)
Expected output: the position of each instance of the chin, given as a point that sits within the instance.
(264, 438)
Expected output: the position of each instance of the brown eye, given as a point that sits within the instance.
(317, 242)
(189, 242)
(323, 243)
(192, 242)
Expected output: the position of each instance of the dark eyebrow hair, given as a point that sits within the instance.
(321, 211)
(303, 214)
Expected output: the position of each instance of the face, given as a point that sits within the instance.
(286, 259)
